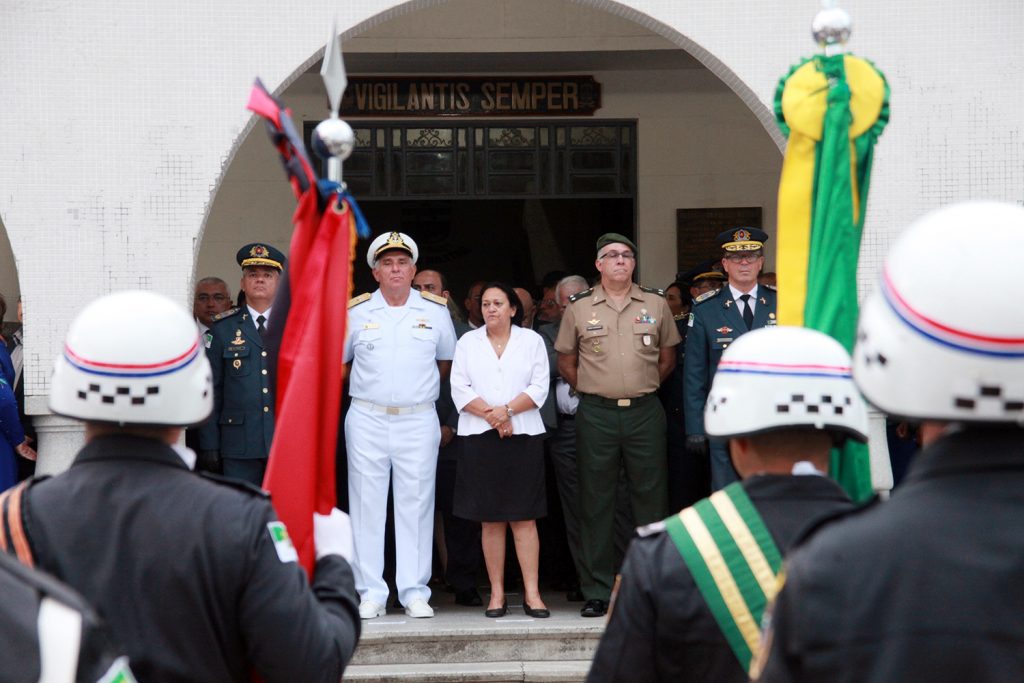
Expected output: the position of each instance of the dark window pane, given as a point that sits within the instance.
(429, 162)
(478, 172)
(594, 136)
(396, 172)
(583, 184)
(430, 184)
(360, 162)
(593, 161)
(359, 185)
(380, 177)
(511, 161)
(463, 172)
(512, 184)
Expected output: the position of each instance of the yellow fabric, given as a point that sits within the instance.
(730, 592)
(804, 102)
(745, 541)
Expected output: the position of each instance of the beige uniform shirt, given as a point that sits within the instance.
(618, 349)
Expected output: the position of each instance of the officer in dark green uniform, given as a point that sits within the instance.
(616, 345)
(717, 319)
(241, 427)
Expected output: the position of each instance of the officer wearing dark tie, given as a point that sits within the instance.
(717, 319)
(241, 427)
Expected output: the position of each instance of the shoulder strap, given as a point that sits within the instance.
(734, 561)
(13, 537)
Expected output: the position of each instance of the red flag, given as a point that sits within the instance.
(300, 473)
(313, 304)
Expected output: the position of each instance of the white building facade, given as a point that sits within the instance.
(129, 160)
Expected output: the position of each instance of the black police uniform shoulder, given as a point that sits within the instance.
(653, 290)
(237, 484)
(226, 314)
(707, 296)
(46, 585)
(817, 525)
(581, 295)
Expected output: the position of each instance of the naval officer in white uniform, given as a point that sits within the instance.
(400, 344)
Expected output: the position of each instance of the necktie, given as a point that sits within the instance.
(260, 327)
(748, 315)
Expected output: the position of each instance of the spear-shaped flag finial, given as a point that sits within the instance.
(333, 70)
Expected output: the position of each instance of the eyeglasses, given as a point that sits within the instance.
(206, 298)
(740, 256)
(616, 255)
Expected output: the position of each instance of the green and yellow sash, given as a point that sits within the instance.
(734, 561)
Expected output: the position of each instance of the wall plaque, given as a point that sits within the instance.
(471, 96)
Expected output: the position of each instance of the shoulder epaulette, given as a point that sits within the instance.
(706, 295)
(581, 295)
(356, 300)
(226, 314)
(774, 288)
(236, 484)
(650, 529)
(440, 300)
(653, 290)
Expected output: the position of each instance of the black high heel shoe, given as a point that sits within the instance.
(541, 613)
(497, 611)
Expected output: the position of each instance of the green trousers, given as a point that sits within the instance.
(609, 436)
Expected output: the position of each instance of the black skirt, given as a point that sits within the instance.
(500, 480)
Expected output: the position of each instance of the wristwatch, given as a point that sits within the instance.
(509, 411)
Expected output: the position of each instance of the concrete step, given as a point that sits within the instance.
(479, 672)
(460, 644)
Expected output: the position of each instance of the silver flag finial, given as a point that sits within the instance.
(831, 27)
(333, 70)
(333, 139)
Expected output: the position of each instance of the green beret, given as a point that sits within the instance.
(612, 237)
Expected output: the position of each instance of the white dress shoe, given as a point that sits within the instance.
(419, 609)
(368, 609)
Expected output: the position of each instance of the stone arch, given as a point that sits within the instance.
(625, 10)
(10, 283)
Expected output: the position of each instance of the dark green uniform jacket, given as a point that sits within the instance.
(715, 322)
(242, 423)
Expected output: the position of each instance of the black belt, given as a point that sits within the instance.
(566, 416)
(618, 402)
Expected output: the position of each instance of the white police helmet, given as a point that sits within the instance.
(388, 241)
(133, 358)
(784, 377)
(929, 347)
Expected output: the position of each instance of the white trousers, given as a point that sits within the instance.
(381, 447)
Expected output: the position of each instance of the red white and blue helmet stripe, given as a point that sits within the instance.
(166, 367)
(946, 335)
(785, 369)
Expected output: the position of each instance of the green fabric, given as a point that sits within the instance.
(749, 588)
(609, 438)
(831, 304)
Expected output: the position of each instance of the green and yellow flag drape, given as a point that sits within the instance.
(832, 108)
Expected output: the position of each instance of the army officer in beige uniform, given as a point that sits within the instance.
(615, 347)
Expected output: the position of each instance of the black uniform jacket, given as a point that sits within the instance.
(926, 587)
(660, 628)
(715, 322)
(22, 591)
(185, 571)
(242, 423)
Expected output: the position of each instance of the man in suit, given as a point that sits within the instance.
(241, 427)
(694, 586)
(718, 318)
